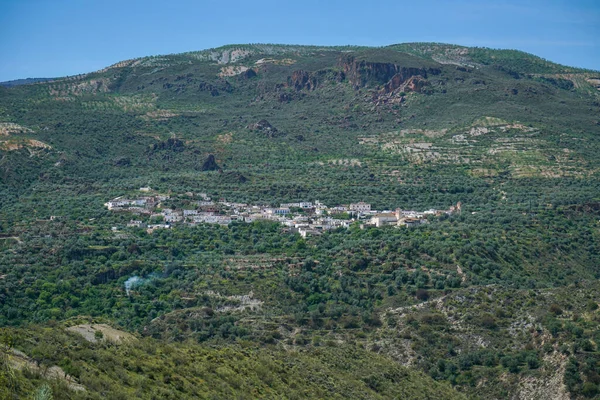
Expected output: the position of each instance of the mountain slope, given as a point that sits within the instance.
(498, 300)
(148, 369)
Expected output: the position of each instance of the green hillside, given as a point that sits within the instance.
(147, 369)
(498, 299)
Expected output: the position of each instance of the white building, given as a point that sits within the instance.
(134, 224)
(361, 206)
(380, 220)
(302, 204)
(278, 211)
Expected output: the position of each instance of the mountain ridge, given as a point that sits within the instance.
(428, 49)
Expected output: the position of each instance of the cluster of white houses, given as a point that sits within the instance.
(306, 218)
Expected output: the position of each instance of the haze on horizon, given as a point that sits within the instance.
(68, 37)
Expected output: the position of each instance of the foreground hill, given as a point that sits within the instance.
(148, 369)
(497, 301)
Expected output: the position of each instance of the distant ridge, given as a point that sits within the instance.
(27, 81)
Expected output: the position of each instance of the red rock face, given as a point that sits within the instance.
(392, 76)
(407, 79)
(302, 80)
(415, 84)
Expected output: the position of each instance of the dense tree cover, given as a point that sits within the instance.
(318, 290)
(502, 292)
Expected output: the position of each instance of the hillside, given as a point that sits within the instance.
(131, 196)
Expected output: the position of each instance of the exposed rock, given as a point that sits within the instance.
(413, 83)
(595, 82)
(17, 144)
(210, 164)
(172, 144)
(232, 70)
(550, 385)
(20, 361)
(108, 333)
(265, 127)
(311, 80)
(302, 80)
(248, 74)
(283, 61)
(216, 88)
(9, 128)
(364, 73)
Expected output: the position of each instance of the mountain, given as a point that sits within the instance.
(495, 298)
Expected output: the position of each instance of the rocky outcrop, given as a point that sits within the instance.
(265, 127)
(595, 82)
(172, 144)
(414, 83)
(248, 74)
(361, 73)
(303, 80)
(221, 85)
(210, 164)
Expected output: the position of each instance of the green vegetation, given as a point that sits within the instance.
(498, 301)
(149, 369)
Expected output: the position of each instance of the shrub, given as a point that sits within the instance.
(488, 321)
(555, 309)
(589, 389)
(422, 294)
(532, 361)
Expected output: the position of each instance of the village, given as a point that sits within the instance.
(305, 218)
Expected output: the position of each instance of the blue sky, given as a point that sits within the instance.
(50, 38)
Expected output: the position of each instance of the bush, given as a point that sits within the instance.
(589, 389)
(511, 363)
(572, 379)
(555, 309)
(533, 362)
(488, 321)
(422, 294)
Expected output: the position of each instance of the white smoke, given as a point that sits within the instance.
(133, 282)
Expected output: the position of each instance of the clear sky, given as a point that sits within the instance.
(51, 38)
